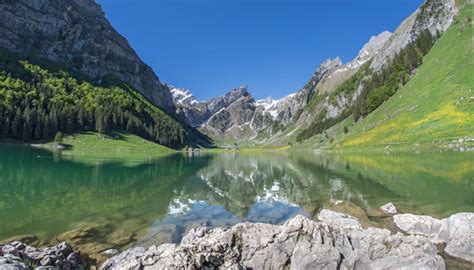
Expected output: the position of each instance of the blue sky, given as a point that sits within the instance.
(273, 46)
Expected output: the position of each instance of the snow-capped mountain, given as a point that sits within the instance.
(182, 96)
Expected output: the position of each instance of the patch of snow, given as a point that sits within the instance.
(271, 195)
(179, 206)
(215, 189)
(182, 96)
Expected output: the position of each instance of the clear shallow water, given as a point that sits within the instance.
(158, 200)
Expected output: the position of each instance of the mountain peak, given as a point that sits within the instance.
(237, 92)
(375, 43)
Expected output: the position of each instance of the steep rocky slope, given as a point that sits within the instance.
(434, 108)
(77, 34)
(335, 101)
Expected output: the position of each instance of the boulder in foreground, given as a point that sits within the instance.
(299, 243)
(456, 232)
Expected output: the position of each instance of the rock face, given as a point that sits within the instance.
(297, 244)
(457, 232)
(77, 34)
(339, 220)
(433, 15)
(17, 255)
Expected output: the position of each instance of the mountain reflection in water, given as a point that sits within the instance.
(158, 200)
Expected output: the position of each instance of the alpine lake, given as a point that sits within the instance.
(46, 198)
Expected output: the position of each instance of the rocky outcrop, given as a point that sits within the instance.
(77, 34)
(17, 255)
(456, 232)
(299, 243)
(433, 15)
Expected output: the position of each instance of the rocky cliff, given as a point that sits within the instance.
(77, 34)
(433, 15)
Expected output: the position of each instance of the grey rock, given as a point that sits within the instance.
(12, 265)
(46, 261)
(461, 236)
(457, 232)
(299, 243)
(340, 220)
(389, 208)
(16, 255)
(427, 226)
(433, 16)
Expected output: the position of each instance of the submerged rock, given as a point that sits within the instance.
(456, 232)
(353, 210)
(389, 208)
(337, 242)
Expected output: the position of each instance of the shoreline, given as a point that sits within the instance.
(406, 240)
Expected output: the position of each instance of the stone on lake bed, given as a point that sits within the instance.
(389, 208)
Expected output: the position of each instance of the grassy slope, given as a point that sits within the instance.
(117, 146)
(435, 105)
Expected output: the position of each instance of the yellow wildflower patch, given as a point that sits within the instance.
(369, 136)
(448, 112)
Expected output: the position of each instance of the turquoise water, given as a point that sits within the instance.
(158, 200)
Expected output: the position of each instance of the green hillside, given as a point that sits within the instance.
(436, 105)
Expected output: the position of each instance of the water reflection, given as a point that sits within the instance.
(158, 200)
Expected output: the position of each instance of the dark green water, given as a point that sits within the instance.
(156, 201)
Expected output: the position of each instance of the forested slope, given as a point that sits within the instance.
(35, 104)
